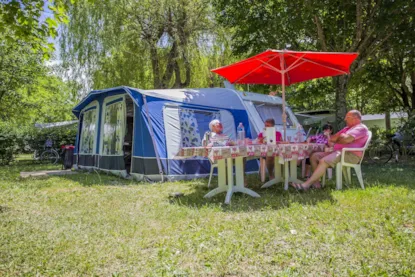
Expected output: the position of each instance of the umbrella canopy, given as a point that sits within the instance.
(285, 67)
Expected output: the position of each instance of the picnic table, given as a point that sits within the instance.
(285, 154)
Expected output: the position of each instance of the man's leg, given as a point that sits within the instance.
(270, 167)
(315, 158)
(318, 172)
(326, 160)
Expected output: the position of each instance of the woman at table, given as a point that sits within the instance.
(216, 133)
(323, 138)
(270, 122)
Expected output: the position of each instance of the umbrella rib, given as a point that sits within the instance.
(270, 66)
(247, 73)
(262, 64)
(294, 63)
(326, 66)
(250, 59)
(297, 65)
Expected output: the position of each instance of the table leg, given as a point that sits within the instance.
(239, 172)
(277, 174)
(240, 181)
(230, 191)
(222, 184)
(228, 184)
(286, 175)
(293, 172)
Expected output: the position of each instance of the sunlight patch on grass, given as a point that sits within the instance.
(97, 224)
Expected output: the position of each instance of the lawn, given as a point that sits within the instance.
(95, 224)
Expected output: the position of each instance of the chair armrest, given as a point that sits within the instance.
(352, 149)
(344, 150)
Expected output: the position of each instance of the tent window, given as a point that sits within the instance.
(88, 131)
(113, 129)
(272, 111)
(193, 125)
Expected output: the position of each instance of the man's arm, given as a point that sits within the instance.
(341, 138)
(345, 139)
(334, 137)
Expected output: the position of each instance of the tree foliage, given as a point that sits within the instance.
(147, 44)
(19, 66)
(21, 20)
(28, 92)
(363, 26)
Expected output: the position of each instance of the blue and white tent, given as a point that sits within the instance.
(138, 132)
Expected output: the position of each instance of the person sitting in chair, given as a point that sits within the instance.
(216, 133)
(354, 135)
(322, 138)
(270, 122)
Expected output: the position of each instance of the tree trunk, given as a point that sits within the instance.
(413, 91)
(340, 84)
(155, 66)
(388, 120)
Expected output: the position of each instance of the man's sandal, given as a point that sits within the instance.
(299, 187)
(314, 186)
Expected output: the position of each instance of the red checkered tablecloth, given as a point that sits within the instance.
(287, 152)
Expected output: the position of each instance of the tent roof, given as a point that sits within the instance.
(55, 124)
(257, 97)
(208, 97)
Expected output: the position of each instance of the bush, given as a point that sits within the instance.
(381, 133)
(16, 139)
(9, 138)
(35, 139)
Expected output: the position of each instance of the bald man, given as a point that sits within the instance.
(354, 135)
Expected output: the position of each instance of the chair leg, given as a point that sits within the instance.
(345, 175)
(323, 183)
(339, 177)
(303, 165)
(330, 173)
(349, 175)
(211, 174)
(359, 176)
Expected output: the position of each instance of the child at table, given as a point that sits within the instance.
(270, 122)
(323, 138)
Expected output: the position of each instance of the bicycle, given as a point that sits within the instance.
(396, 147)
(48, 155)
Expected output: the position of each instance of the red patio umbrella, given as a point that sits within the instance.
(285, 67)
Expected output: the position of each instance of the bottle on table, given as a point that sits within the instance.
(241, 134)
(206, 139)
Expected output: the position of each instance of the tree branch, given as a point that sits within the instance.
(359, 24)
(320, 33)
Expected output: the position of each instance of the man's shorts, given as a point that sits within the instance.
(332, 158)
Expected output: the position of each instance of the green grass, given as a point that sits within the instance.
(90, 224)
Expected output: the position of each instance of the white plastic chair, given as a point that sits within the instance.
(345, 168)
(212, 167)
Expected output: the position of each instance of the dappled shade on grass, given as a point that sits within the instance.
(97, 224)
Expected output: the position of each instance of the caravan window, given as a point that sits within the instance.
(113, 127)
(271, 111)
(193, 125)
(88, 131)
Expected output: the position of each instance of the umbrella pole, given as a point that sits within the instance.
(284, 115)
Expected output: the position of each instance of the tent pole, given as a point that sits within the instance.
(153, 139)
(284, 115)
